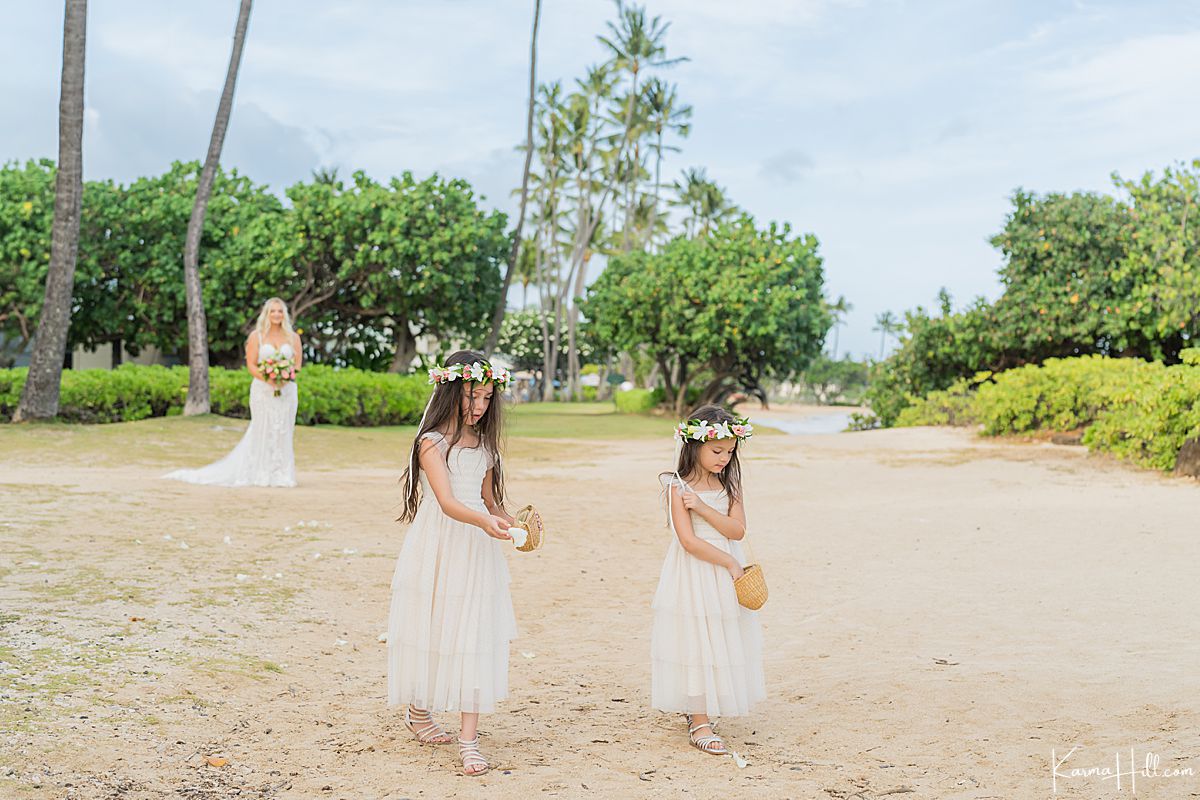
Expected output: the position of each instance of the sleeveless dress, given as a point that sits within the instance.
(706, 650)
(451, 617)
(264, 456)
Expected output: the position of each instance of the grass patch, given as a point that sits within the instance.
(87, 586)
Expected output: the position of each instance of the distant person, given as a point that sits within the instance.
(264, 456)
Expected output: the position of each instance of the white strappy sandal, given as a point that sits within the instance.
(473, 762)
(712, 744)
(424, 728)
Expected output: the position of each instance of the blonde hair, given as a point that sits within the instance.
(264, 319)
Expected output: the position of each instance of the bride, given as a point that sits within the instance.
(264, 455)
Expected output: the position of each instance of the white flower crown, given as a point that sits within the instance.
(700, 430)
(478, 372)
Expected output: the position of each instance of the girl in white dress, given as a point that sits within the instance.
(264, 456)
(451, 617)
(706, 650)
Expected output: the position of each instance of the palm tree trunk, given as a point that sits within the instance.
(621, 154)
(657, 183)
(502, 302)
(39, 397)
(197, 396)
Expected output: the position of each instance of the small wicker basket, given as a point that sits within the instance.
(529, 519)
(751, 588)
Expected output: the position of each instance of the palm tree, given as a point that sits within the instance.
(635, 44)
(327, 176)
(665, 115)
(39, 397)
(887, 324)
(705, 201)
(840, 308)
(502, 301)
(526, 271)
(197, 396)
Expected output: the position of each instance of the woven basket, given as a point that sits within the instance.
(529, 519)
(751, 588)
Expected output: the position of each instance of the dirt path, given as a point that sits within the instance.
(944, 612)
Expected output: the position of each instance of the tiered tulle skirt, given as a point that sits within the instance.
(451, 617)
(706, 650)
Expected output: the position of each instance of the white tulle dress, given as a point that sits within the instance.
(265, 455)
(451, 616)
(706, 650)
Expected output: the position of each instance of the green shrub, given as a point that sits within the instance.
(638, 401)
(132, 392)
(1137, 410)
(1163, 413)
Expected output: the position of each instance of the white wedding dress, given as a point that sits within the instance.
(264, 456)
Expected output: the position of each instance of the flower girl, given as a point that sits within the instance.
(451, 617)
(706, 650)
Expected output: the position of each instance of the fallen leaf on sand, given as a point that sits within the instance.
(737, 759)
(216, 761)
(137, 619)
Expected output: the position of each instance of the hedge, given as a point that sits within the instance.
(638, 401)
(1137, 410)
(131, 392)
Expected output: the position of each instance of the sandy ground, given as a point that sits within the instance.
(945, 612)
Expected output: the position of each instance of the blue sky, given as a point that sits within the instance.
(895, 131)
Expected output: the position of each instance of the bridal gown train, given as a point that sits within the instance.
(264, 456)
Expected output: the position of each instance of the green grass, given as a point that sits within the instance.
(583, 421)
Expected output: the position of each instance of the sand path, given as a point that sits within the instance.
(944, 612)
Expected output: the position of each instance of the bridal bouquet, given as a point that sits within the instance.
(277, 370)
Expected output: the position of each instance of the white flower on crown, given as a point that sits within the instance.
(476, 371)
(700, 433)
(723, 431)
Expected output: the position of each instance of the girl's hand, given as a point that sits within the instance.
(735, 569)
(690, 500)
(495, 527)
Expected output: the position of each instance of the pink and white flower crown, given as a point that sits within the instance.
(700, 430)
(478, 372)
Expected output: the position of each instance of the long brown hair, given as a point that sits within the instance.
(445, 414)
(689, 459)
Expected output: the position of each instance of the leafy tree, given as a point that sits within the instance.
(742, 305)
(1062, 296)
(829, 379)
(408, 258)
(1161, 264)
(26, 217)
(150, 238)
(934, 352)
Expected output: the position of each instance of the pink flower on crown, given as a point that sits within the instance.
(738, 430)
